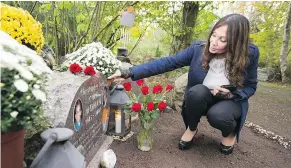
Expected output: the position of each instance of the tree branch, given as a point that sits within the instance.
(205, 4)
(110, 23)
(112, 35)
(88, 28)
(31, 10)
(288, 51)
(97, 20)
(139, 39)
(56, 35)
(113, 43)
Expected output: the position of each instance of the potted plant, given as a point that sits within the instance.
(23, 73)
(21, 26)
(148, 105)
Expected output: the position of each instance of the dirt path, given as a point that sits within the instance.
(271, 109)
(252, 151)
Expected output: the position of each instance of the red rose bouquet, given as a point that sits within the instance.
(150, 102)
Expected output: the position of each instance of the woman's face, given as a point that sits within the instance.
(218, 40)
(78, 113)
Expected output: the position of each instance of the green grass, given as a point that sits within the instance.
(276, 85)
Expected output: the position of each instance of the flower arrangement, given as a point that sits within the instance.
(22, 76)
(92, 57)
(148, 105)
(21, 26)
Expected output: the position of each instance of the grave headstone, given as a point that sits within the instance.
(88, 116)
(80, 103)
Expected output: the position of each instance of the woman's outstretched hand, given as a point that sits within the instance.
(116, 77)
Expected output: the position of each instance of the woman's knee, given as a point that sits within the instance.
(198, 92)
(218, 119)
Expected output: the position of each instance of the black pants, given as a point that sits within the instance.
(221, 114)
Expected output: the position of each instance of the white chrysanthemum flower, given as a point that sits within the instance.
(16, 76)
(96, 55)
(25, 73)
(36, 86)
(14, 114)
(21, 85)
(38, 94)
(36, 68)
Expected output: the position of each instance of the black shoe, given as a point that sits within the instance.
(227, 150)
(184, 145)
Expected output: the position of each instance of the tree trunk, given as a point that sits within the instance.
(189, 16)
(97, 20)
(56, 35)
(284, 49)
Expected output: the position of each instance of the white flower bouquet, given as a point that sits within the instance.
(92, 55)
(23, 73)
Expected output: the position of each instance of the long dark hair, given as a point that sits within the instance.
(236, 54)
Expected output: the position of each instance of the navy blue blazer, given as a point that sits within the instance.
(192, 56)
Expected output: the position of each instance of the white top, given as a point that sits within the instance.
(216, 75)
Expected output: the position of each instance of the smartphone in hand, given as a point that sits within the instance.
(231, 88)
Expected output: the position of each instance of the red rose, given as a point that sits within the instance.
(140, 82)
(169, 87)
(127, 86)
(136, 107)
(75, 68)
(145, 90)
(150, 106)
(89, 70)
(162, 106)
(157, 89)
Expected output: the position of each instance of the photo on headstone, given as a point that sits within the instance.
(78, 115)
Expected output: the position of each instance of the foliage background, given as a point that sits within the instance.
(68, 25)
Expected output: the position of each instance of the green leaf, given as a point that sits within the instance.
(155, 114)
(58, 19)
(149, 99)
(48, 6)
(80, 17)
(56, 12)
(129, 102)
(81, 28)
(147, 116)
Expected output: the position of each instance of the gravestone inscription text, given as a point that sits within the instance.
(88, 116)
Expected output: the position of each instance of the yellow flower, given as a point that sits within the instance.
(21, 26)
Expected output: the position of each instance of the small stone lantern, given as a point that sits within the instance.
(119, 122)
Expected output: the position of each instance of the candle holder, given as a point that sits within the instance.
(119, 122)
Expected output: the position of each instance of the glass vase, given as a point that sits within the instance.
(145, 136)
